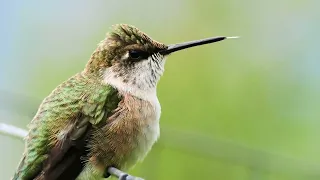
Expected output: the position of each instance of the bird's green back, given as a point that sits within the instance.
(57, 116)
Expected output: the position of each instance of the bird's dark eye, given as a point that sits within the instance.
(138, 54)
(134, 54)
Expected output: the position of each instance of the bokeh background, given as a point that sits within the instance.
(245, 109)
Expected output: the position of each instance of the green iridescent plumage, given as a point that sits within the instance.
(75, 100)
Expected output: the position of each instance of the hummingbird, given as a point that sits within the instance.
(104, 119)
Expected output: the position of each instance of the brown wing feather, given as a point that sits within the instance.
(65, 161)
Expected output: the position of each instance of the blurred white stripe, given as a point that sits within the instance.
(12, 130)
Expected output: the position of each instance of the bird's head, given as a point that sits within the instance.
(131, 61)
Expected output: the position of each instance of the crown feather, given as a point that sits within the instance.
(132, 35)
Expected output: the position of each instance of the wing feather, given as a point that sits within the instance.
(59, 132)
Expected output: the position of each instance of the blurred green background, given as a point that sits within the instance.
(244, 109)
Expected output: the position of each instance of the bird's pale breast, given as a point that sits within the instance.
(127, 137)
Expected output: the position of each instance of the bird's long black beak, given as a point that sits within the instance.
(177, 47)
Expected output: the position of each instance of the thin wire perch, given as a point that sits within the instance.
(12, 131)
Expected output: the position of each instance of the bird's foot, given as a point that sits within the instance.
(121, 175)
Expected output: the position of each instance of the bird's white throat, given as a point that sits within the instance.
(140, 80)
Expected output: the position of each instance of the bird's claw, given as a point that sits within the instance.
(129, 177)
(122, 175)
